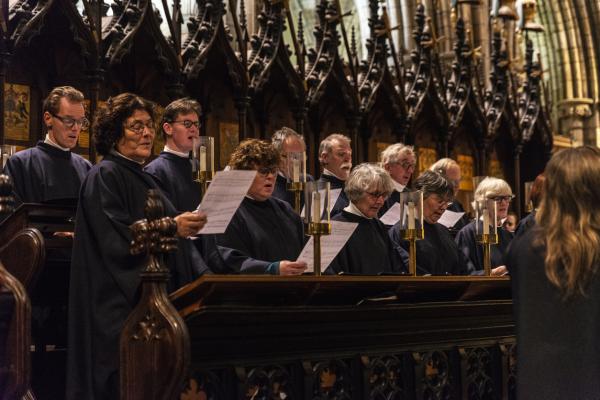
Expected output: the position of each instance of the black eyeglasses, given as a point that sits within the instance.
(264, 171)
(407, 165)
(377, 195)
(498, 199)
(69, 122)
(138, 127)
(187, 123)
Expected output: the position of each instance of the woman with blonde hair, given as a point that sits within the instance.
(556, 286)
(499, 191)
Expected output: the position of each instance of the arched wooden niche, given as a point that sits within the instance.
(382, 107)
(331, 99)
(51, 46)
(216, 77)
(427, 116)
(276, 89)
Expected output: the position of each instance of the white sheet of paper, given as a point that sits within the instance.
(330, 245)
(450, 218)
(223, 197)
(392, 215)
(333, 193)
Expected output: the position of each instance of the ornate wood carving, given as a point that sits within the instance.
(154, 340)
(423, 80)
(478, 380)
(330, 379)
(497, 97)
(384, 378)
(272, 382)
(27, 23)
(130, 18)
(375, 76)
(324, 63)
(529, 103)
(206, 31)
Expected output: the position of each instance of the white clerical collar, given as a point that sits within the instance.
(167, 149)
(281, 174)
(398, 187)
(328, 172)
(52, 143)
(116, 153)
(352, 209)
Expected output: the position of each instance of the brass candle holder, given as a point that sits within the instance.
(487, 240)
(486, 231)
(411, 225)
(203, 162)
(297, 188)
(317, 217)
(316, 230)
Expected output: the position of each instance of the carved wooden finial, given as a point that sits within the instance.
(7, 201)
(154, 235)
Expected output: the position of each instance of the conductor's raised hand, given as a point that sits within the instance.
(291, 267)
(190, 223)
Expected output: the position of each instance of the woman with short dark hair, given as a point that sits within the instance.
(105, 277)
(556, 286)
(265, 235)
(437, 254)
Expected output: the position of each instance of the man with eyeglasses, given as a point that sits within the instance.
(399, 161)
(50, 171)
(335, 155)
(451, 170)
(172, 169)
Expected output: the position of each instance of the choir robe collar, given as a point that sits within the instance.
(53, 151)
(179, 154)
(398, 187)
(48, 140)
(115, 153)
(332, 177)
(352, 209)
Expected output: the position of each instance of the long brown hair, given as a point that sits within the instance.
(569, 220)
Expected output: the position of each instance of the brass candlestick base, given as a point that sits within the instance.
(412, 235)
(487, 240)
(203, 178)
(316, 230)
(297, 188)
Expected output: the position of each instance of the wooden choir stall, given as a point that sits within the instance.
(307, 337)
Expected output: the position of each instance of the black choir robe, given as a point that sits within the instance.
(260, 234)
(336, 183)
(280, 192)
(369, 251)
(558, 346)
(473, 251)
(525, 224)
(174, 177)
(437, 254)
(105, 278)
(45, 173)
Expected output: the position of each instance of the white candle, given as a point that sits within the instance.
(316, 204)
(304, 166)
(4, 159)
(411, 215)
(202, 158)
(296, 170)
(212, 156)
(486, 222)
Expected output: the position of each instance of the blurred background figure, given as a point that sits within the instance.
(511, 221)
(535, 197)
(556, 286)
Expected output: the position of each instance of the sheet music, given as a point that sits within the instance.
(333, 193)
(330, 245)
(392, 215)
(450, 218)
(223, 197)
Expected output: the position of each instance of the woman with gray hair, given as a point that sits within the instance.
(489, 189)
(369, 250)
(437, 254)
